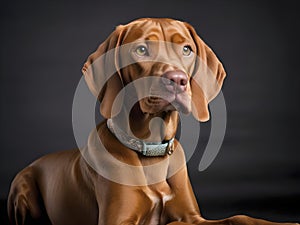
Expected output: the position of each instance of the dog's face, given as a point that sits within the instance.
(164, 50)
(188, 73)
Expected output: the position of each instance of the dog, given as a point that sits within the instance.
(173, 71)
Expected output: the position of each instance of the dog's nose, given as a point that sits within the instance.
(175, 81)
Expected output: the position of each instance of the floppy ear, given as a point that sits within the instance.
(207, 77)
(101, 71)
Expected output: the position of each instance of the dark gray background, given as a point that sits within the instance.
(45, 43)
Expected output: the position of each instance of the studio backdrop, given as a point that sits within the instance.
(256, 172)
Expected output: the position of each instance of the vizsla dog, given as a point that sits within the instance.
(71, 188)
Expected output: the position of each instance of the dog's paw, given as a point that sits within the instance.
(17, 209)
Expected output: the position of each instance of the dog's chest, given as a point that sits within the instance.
(158, 203)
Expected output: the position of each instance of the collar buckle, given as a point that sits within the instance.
(170, 147)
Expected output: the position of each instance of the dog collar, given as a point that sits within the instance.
(145, 148)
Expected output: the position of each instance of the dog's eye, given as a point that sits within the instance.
(187, 50)
(142, 50)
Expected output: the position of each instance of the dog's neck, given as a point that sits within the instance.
(148, 127)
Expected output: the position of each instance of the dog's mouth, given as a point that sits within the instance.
(167, 92)
(168, 101)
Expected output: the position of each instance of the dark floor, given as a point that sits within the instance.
(275, 209)
(3, 213)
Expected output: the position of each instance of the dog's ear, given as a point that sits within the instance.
(101, 71)
(207, 77)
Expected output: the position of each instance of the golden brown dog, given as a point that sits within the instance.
(68, 188)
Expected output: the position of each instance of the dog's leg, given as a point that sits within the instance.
(235, 220)
(246, 220)
(24, 201)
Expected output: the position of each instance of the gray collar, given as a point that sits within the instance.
(145, 148)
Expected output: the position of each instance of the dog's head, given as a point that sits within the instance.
(190, 75)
